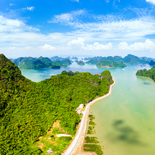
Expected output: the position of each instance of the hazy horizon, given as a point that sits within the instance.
(79, 56)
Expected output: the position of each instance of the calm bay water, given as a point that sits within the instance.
(126, 119)
(37, 75)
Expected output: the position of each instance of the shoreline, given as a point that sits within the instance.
(146, 77)
(80, 134)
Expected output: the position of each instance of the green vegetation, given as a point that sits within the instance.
(91, 129)
(91, 125)
(29, 109)
(90, 143)
(69, 73)
(117, 61)
(94, 60)
(81, 63)
(131, 59)
(91, 140)
(51, 141)
(109, 63)
(63, 62)
(147, 73)
(93, 148)
(41, 62)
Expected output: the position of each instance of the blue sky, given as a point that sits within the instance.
(77, 27)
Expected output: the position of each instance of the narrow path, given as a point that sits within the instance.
(82, 128)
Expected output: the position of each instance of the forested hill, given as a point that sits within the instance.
(118, 61)
(81, 63)
(109, 63)
(147, 73)
(28, 109)
(41, 62)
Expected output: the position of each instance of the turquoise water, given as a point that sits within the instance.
(37, 75)
(126, 119)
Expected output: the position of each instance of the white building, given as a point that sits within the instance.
(81, 106)
(50, 151)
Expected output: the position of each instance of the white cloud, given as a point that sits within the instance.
(6, 24)
(90, 36)
(11, 48)
(123, 46)
(110, 26)
(140, 27)
(13, 26)
(67, 18)
(11, 4)
(97, 46)
(147, 45)
(78, 42)
(30, 8)
(151, 1)
(48, 47)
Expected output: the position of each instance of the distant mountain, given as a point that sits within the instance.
(63, 62)
(94, 60)
(76, 58)
(56, 58)
(81, 63)
(87, 58)
(109, 64)
(30, 63)
(152, 63)
(132, 59)
(147, 59)
(18, 60)
(97, 59)
(41, 62)
(46, 61)
(129, 59)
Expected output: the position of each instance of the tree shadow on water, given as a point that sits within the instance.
(124, 133)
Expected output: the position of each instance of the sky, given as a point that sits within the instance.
(77, 27)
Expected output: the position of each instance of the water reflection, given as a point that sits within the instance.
(125, 133)
(147, 83)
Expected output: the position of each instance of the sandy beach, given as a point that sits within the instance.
(75, 148)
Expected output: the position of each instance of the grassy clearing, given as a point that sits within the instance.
(51, 141)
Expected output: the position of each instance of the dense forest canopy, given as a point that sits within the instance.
(147, 73)
(28, 109)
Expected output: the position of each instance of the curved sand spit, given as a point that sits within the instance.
(80, 134)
